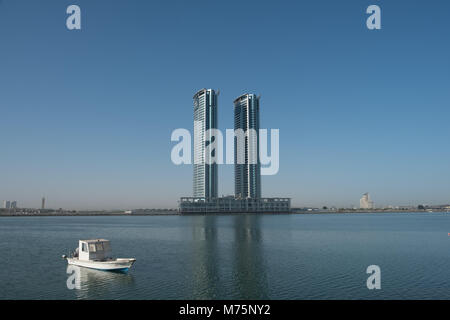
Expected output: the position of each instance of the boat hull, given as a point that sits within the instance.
(121, 265)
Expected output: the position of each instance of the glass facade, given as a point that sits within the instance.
(205, 118)
(247, 175)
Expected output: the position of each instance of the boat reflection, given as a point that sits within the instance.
(96, 284)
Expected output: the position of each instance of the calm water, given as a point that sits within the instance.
(233, 257)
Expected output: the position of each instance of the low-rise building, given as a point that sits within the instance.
(234, 205)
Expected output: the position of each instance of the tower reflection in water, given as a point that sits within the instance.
(249, 260)
(228, 260)
(205, 259)
(95, 284)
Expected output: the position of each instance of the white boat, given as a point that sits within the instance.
(96, 254)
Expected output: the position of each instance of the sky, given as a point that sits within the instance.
(86, 116)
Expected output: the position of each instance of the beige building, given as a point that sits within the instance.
(366, 202)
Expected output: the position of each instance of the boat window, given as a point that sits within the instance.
(99, 247)
(84, 247)
(92, 247)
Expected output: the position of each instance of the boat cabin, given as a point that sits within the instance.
(99, 249)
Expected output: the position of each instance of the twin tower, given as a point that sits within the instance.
(247, 176)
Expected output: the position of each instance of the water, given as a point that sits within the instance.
(233, 257)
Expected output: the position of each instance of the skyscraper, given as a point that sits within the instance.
(43, 203)
(247, 173)
(205, 118)
(6, 204)
(247, 197)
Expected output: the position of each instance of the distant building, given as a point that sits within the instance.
(205, 118)
(366, 202)
(6, 204)
(13, 204)
(43, 203)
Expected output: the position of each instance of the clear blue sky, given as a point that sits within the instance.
(86, 116)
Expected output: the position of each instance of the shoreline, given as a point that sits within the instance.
(175, 213)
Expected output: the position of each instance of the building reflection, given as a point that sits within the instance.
(249, 272)
(206, 280)
(95, 284)
(228, 259)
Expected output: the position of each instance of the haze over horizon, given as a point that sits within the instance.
(87, 115)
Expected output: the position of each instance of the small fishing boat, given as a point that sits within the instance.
(96, 254)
